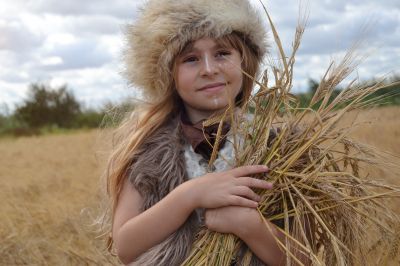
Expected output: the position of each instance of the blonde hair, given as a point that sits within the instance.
(145, 119)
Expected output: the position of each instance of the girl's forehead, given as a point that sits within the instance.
(204, 43)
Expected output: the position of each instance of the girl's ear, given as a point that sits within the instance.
(240, 97)
(178, 101)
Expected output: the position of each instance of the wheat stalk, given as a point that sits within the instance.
(316, 182)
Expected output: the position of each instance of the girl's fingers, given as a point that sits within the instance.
(243, 202)
(253, 182)
(249, 170)
(246, 192)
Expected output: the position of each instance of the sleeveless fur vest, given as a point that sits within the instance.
(156, 170)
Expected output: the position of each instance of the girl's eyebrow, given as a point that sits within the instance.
(191, 48)
(187, 49)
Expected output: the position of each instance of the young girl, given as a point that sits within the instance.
(187, 57)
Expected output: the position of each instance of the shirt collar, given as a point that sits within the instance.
(201, 137)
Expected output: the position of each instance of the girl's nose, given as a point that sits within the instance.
(209, 66)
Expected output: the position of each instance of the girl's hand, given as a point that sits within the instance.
(232, 187)
(231, 220)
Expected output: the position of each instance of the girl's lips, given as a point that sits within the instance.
(213, 87)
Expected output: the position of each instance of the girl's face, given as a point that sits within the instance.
(208, 77)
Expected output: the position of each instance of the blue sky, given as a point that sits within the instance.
(80, 43)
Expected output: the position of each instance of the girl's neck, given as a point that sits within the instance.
(196, 116)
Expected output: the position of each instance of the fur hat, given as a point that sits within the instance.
(164, 27)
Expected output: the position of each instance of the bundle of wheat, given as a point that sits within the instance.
(325, 203)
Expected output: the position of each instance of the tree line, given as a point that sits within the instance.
(52, 109)
(48, 109)
(388, 95)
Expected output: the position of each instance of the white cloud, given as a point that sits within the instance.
(16, 36)
(52, 61)
(125, 9)
(14, 93)
(80, 42)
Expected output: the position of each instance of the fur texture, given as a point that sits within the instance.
(157, 169)
(164, 27)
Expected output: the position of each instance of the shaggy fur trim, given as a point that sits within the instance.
(159, 166)
(157, 169)
(164, 27)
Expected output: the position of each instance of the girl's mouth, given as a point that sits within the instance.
(213, 87)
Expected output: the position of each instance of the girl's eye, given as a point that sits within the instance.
(223, 53)
(190, 59)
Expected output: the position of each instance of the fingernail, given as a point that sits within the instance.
(269, 185)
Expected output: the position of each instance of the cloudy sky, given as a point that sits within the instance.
(79, 43)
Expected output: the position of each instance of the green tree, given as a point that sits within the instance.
(48, 106)
(312, 87)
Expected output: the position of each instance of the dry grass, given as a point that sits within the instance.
(48, 182)
(50, 188)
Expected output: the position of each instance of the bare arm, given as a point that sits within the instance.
(134, 232)
(247, 224)
(261, 240)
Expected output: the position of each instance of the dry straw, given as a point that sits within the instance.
(323, 198)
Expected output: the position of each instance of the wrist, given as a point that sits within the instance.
(257, 227)
(251, 226)
(188, 195)
(262, 235)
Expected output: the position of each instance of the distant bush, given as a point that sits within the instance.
(9, 125)
(89, 119)
(3, 120)
(390, 95)
(115, 113)
(48, 106)
(51, 110)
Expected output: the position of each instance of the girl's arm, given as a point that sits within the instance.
(247, 224)
(261, 240)
(135, 232)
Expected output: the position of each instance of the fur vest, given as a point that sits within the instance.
(157, 169)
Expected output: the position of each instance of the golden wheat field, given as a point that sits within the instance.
(51, 190)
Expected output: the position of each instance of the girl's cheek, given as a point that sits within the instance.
(215, 101)
(224, 65)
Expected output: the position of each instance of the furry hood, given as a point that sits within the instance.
(164, 27)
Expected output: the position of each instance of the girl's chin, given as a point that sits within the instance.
(216, 102)
(205, 111)
(214, 109)
(216, 105)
